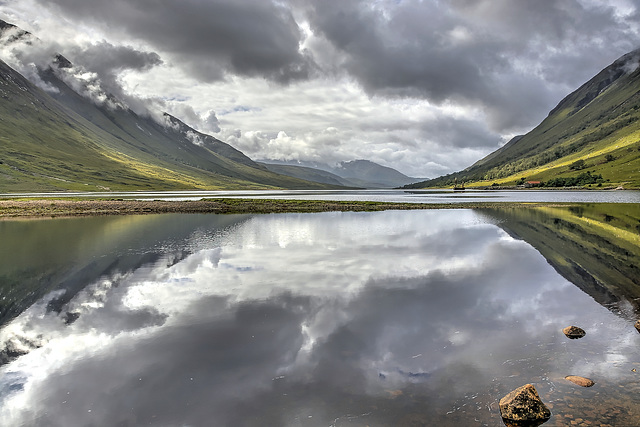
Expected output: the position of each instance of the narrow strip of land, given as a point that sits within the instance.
(48, 208)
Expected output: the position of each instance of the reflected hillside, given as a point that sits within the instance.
(595, 246)
(40, 256)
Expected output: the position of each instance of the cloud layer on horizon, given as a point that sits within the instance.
(425, 87)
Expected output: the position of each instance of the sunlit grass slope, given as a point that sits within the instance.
(594, 129)
(68, 143)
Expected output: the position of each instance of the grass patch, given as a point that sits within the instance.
(48, 208)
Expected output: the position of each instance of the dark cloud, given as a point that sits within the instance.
(210, 39)
(107, 59)
(458, 132)
(399, 53)
(486, 53)
(108, 62)
(94, 70)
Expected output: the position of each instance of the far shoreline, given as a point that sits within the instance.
(69, 207)
(523, 188)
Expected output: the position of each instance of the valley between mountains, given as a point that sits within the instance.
(62, 139)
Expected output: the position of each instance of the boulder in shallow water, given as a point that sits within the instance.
(574, 332)
(581, 381)
(523, 405)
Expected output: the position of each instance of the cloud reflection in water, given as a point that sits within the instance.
(301, 319)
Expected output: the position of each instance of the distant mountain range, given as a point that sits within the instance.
(592, 139)
(356, 173)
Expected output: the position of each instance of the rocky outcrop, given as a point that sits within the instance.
(524, 405)
(574, 332)
(581, 381)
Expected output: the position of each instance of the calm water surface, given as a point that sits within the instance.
(409, 196)
(333, 319)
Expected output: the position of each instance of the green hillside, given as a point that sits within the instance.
(68, 143)
(45, 147)
(591, 139)
(62, 141)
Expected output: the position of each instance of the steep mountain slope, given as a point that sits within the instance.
(172, 142)
(595, 131)
(44, 147)
(60, 140)
(125, 124)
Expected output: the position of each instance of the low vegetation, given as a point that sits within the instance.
(584, 179)
(50, 208)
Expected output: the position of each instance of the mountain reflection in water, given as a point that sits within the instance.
(387, 318)
(594, 245)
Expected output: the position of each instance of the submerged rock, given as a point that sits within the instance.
(523, 407)
(574, 332)
(581, 381)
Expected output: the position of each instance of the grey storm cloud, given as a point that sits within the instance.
(109, 61)
(512, 59)
(459, 132)
(94, 70)
(210, 39)
(479, 52)
(105, 58)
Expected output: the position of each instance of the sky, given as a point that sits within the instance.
(426, 87)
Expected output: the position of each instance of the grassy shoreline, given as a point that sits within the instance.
(53, 208)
